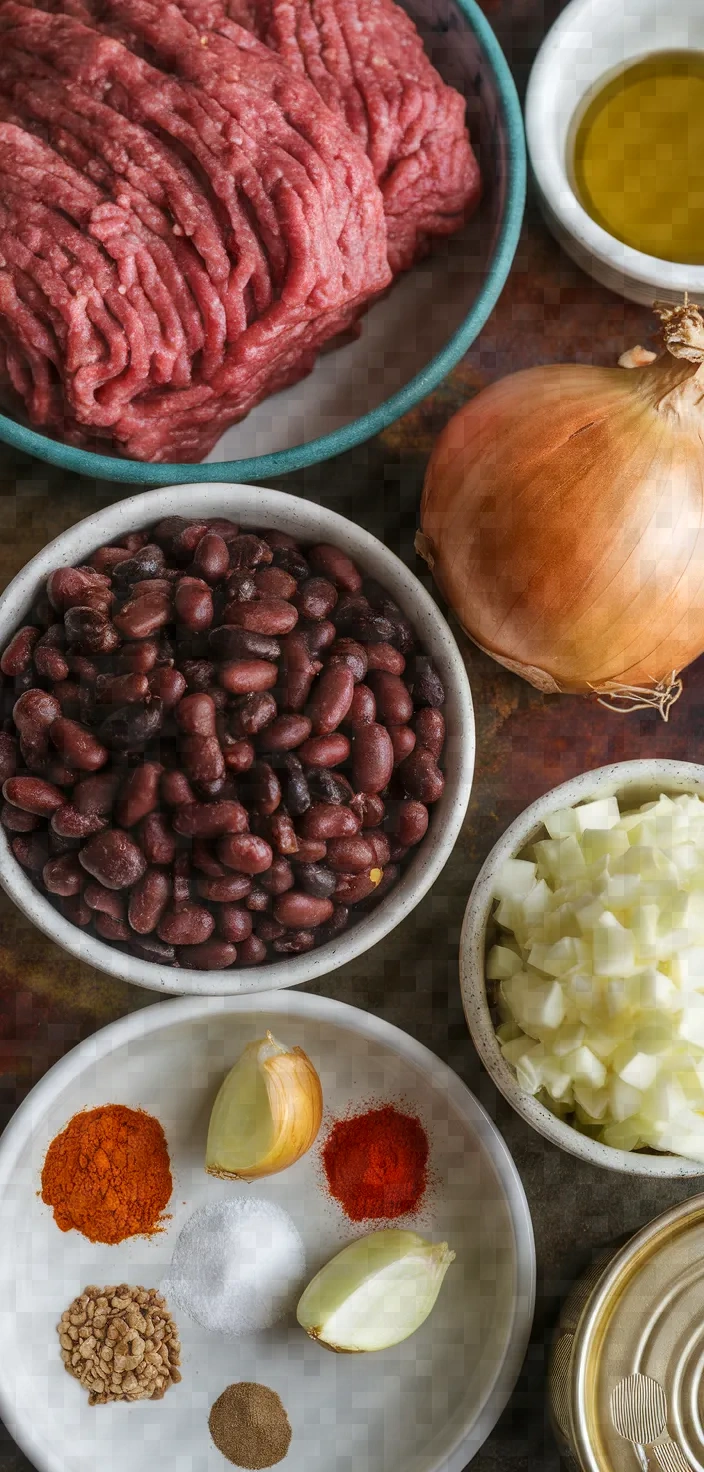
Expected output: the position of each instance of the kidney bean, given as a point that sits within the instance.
(234, 923)
(327, 786)
(179, 537)
(57, 772)
(33, 795)
(82, 669)
(316, 879)
(372, 758)
(227, 642)
(31, 850)
(289, 556)
(410, 822)
(196, 715)
(279, 832)
(96, 794)
(393, 702)
(151, 949)
(16, 820)
(68, 822)
(167, 685)
(380, 847)
(403, 740)
(148, 901)
(121, 689)
(278, 878)
(261, 788)
(299, 669)
(50, 664)
(211, 559)
(268, 929)
(331, 562)
(274, 582)
(263, 616)
(147, 562)
(424, 683)
(66, 586)
(175, 789)
(252, 952)
(350, 855)
(247, 676)
(318, 636)
(285, 733)
(107, 901)
(139, 795)
(362, 711)
(331, 699)
(90, 631)
(35, 712)
(300, 910)
(210, 955)
(210, 819)
(429, 726)
(295, 943)
(315, 598)
(156, 839)
(354, 655)
(114, 859)
(384, 657)
(107, 558)
(112, 930)
(240, 588)
(132, 727)
(17, 657)
(203, 859)
(181, 880)
(311, 850)
(138, 658)
(367, 625)
(249, 551)
(202, 758)
(74, 908)
(323, 820)
(351, 889)
(193, 605)
(325, 751)
(421, 776)
(8, 756)
(252, 714)
(141, 617)
(224, 527)
(224, 889)
(238, 755)
(245, 852)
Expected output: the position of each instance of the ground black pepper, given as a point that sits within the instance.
(249, 1425)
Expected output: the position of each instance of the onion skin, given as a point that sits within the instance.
(563, 518)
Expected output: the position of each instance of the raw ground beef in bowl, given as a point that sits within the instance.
(200, 198)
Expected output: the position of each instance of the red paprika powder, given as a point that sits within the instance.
(376, 1164)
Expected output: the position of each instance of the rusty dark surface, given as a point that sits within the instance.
(549, 312)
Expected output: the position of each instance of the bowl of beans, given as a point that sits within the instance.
(237, 740)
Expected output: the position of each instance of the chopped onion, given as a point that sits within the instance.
(598, 971)
(563, 520)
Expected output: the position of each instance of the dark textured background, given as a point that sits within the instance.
(549, 312)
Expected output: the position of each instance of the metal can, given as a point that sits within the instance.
(631, 1334)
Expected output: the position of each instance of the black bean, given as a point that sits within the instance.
(316, 879)
(296, 792)
(423, 682)
(146, 563)
(293, 562)
(131, 727)
(327, 786)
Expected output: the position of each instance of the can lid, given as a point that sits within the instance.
(638, 1356)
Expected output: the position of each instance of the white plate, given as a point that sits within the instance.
(426, 1405)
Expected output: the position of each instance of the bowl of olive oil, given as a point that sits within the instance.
(615, 129)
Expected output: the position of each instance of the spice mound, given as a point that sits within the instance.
(249, 1425)
(107, 1174)
(121, 1344)
(376, 1164)
(238, 1266)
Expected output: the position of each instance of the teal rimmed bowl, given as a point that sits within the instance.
(409, 341)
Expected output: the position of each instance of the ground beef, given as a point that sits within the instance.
(366, 59)
(188, 216)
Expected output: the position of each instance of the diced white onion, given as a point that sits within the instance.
(599, 964)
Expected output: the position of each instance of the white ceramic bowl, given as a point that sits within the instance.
(425, 1405)
(635, 782)
(590, 40)
(255, 506)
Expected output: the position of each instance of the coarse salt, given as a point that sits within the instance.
(238, 1266)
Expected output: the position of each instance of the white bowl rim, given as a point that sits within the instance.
(553, 179)
(161, 1015)
(643, 772)
(260, 506)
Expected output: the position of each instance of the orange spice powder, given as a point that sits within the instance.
(108, 1174)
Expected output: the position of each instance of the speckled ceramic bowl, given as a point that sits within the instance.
(256, 507)
(636, 782)
(411, 339)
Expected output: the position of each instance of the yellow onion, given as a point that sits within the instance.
(376, 1292)
(563, 520)
(267, 1113)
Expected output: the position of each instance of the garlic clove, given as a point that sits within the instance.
(375, 1293)
(267, 1113)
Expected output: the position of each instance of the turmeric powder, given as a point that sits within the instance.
(108, 1175)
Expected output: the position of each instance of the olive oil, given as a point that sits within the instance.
(638, 156)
